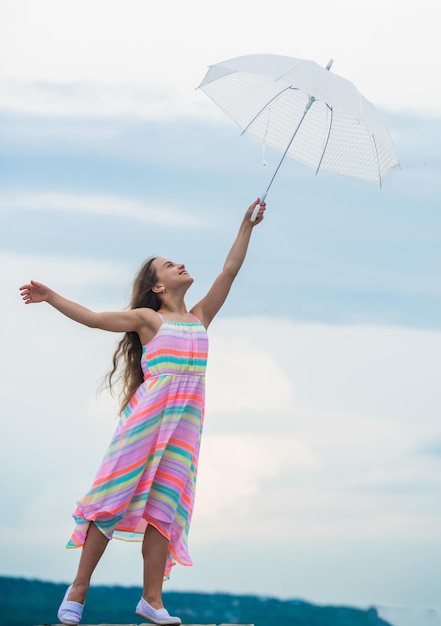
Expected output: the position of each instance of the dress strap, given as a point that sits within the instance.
(161, 317)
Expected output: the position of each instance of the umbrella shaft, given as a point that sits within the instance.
(307, 107)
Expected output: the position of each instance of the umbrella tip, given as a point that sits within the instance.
(330, 62)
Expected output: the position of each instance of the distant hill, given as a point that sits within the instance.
(26, 602)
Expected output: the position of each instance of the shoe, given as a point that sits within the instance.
(70, 612)
(157, 616)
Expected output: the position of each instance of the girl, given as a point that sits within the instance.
(145, 486)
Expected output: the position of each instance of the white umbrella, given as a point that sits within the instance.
(304, 111)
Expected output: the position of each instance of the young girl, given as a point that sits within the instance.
(145, 486)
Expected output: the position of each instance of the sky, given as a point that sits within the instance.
(320, 466)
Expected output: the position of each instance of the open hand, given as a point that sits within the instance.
(34, 292)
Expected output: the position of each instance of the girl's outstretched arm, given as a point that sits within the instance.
(124, 321)
(207, 308)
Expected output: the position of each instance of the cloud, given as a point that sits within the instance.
(97, 204)
(234, 468)
(64, 272)
(101, 100)
(384, 373)
(172, 44)
(246, 377)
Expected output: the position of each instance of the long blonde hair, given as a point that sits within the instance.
(127, 357)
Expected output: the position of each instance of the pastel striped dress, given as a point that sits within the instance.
(148, 474)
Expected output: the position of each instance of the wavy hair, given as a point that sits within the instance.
(127, 357)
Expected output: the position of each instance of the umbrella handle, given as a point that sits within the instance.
(256, 209)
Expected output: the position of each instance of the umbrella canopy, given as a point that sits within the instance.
(305, 111)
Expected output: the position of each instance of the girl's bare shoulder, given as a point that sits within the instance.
(149, 316)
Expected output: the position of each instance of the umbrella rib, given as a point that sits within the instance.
(263, 109)
(377, 159)
(327, 138)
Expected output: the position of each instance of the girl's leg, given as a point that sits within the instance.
(91, 553)
(154, 552)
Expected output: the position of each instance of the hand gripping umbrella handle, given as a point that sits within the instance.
(256, 209)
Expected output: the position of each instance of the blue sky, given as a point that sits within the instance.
(320, 470)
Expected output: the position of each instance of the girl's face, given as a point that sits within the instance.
(171, 274)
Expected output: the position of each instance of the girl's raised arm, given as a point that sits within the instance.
(123, 321)
(207, 308)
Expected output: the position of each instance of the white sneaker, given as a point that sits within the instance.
(157, 616)
(70, 612)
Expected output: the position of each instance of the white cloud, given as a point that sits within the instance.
(232, 470)
(362, 433)
(63, 274)
(98, 204)
(98, 99)
(171, 44)
(244, 377)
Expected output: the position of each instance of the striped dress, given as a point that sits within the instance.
(148, 474)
